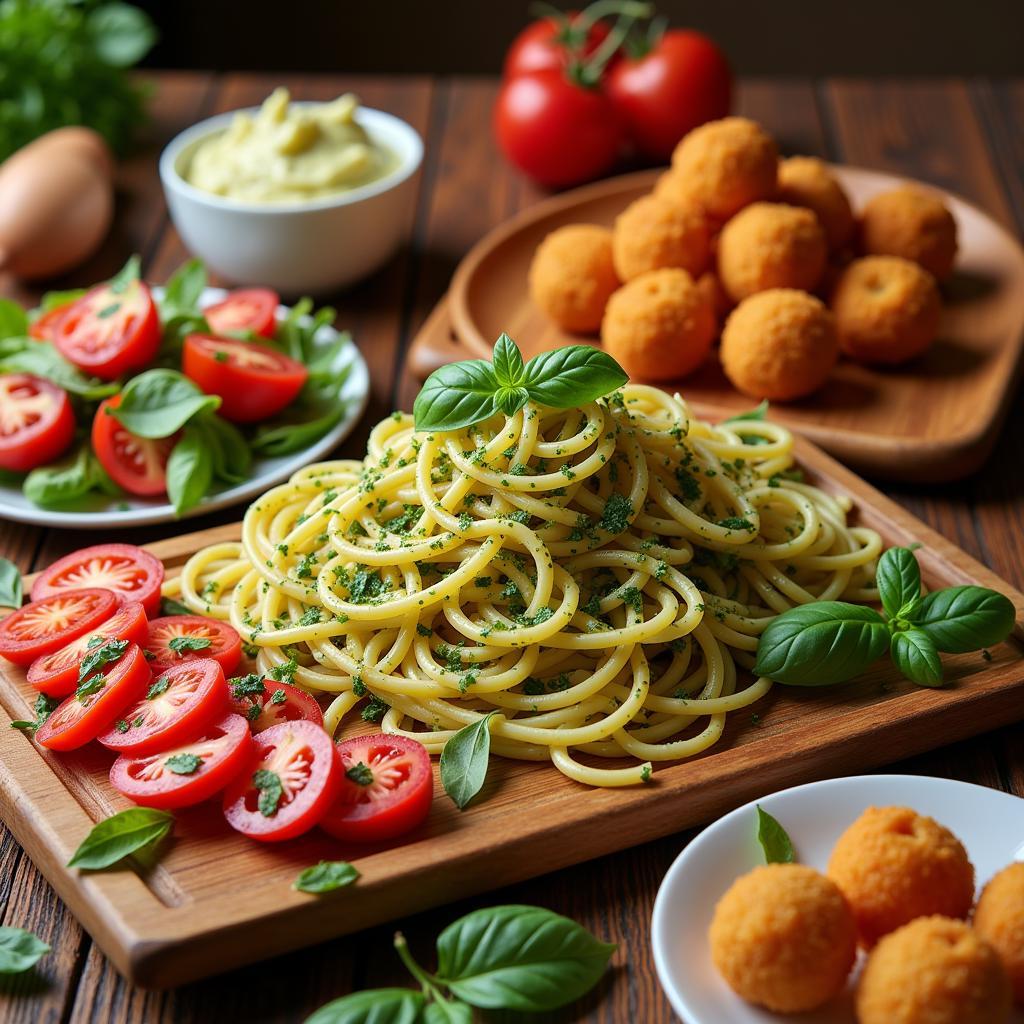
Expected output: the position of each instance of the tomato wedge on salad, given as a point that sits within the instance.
(254, 381)
(36, 422)
(386, 790)
(187, 774)
(56, 674)
(245, 309)
(288, 786)
(264, 702)
(51, 621)
(88, 712)
(129, 572)
(179, 704)
(174, 639)
(138, 464)
(44, 328)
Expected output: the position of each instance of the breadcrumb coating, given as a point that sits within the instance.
(999, 919)
(914, 224)
(806, 181)
(652, 233)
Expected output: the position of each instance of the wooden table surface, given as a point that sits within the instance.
(964, 136)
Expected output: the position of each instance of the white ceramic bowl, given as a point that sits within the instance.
(295, 248)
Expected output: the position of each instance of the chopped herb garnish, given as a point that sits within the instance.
(271, 791)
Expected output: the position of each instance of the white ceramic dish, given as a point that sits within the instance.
(990, 823)
(100, 512)
(295, 248)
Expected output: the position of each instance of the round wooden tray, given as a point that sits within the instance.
(934, 419)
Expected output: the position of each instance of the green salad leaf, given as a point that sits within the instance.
(464, 761)
(19, 950)
(374, 1006)
(326, 876)
(774, 839)
(189, 470)
(13, 319)
(41, 359)
(121, 835)
(61, 483)
(10, 584)
(158, 403)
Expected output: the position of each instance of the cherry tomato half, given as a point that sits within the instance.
(53, 620)
(288, 786)
(187, 774)
(80, 719)
(245, 309)
(44, 327)
(274, 704)
(174, 639)
(131, 573)
(387, 789)
(108, 332)
(254, 382)
(138, 464)
(547, 44)
(181, 702)
(36, 422)
(56, 674)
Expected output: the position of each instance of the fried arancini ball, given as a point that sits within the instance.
(783, 937)
(652, 233)
(779, 344)
(887, 309)
(894, 865)
(999, 919)
(711, 286)
(911, 223)
(659, 326)
(807, 181)
(572, 275)
(933, 971)
(727, 164)
(674, 188)
(771, 245)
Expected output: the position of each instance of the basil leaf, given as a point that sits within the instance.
(507, 362)
(448, 1012)
(168, 606)
(230, 455)
(455, 396)
(511, 400)
(120, 835)
(56, 299)
(758, 413)
(464, 761)
(774, 840)
(180, 644)
(43, 707)
(326, 876)
(821, 644)
(68, 480)
(185, 287)
(189, 471)
(126, 276)
(917, 657)
(107, 652)
(567, 377)
(184, 764)
(292, 437)
(519, 958)
(968, 618)
(158, 403)
(374, 1006)
(13, 320)
(899, 582)
(10, 584)
(121, 34)
(41, 359)
(19, 950)
(271, 791)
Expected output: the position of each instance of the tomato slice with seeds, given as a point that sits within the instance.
(44, 327)
(276, 703)
(138, 464)
(51, 621)
(56, 674)
(187, 774)
(287, 786)
(174, 639)
(245, 309)
(180, 703)
(387, 788)
(80, 719)
(129, 572)
(36, 422)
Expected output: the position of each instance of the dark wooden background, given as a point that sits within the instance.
(965, 136)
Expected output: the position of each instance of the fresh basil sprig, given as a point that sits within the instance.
(43, 707)
(158, 403)
(326, 876)
(464, 761)
(121, 835)
(19, 950)
(66, 481)
(10, 584)
(461, 394)
(774, 839)
(41, 359)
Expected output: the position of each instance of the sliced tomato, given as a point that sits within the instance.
(45, 327)
(245, 309)
(138, 464)
(288, 785)
(174, 639)
(181, 702)
(131, 573)
(387, 788)
(110, 331)
(36, 422)
(51, 621)
(80, 719)
(273, 704)
(56, 674)
(254, 382)
(187, 774)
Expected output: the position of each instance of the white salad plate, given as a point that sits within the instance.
(990, 824)
(102, 512)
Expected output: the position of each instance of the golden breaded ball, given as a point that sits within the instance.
(807, 181)
(894, 865)
(783, 937)
(711, 286)
(674, 188)
(999, 919)
(727, 164)
(933, 971)
(771, 245)
(887, 309)
(659, 326)
(779, 344)
(572, 275)
(914, 224)
(652, 233)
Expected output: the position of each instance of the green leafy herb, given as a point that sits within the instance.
(326, 876)
(159, 687)
(159, 402)
(966, 618)
(361, 774)
(774, 840)
(271, 791)
(758, 413)
(43, 708)
(230, 453)
(184, 289)
(916, 656)
(184, 764)
(899, 582)
(189, 470)
(464, 761)
(40, 358)
(13, 319)
(120, 835)
(375, 1006)
(168, 606)
(19, 950)
(66, 481)
(106, 653)
(10, 584)
(57, 299)
(181, 644)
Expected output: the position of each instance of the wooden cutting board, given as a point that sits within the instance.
(937, 418)
(215, 900)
